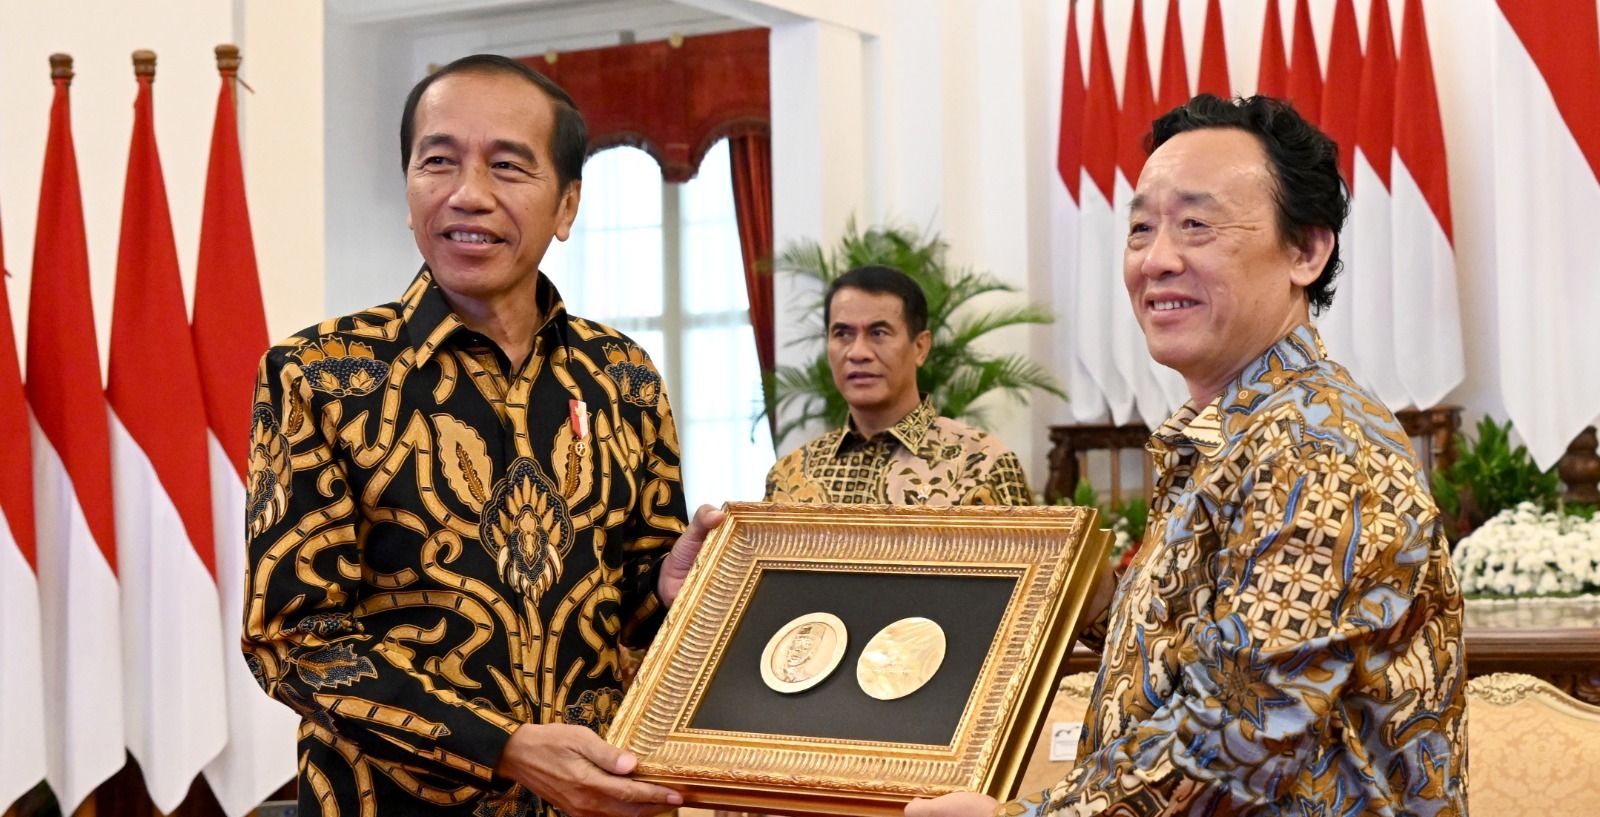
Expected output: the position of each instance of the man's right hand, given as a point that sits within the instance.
(577, 771)
(1105, 591)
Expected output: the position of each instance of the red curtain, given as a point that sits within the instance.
(674, 102)
(751, 157)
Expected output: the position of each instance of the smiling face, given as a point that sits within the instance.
(874, 357)
(483, 193)
(1211, 279)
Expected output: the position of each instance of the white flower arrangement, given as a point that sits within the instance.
(1528, 551)
(1122, 538)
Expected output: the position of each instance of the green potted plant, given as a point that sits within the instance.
(1490, 476)
(958, 373)
(1125, 520)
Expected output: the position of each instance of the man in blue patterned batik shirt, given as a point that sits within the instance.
(465, 502)
(1288, 640)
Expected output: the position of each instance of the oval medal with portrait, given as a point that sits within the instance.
(803, 652)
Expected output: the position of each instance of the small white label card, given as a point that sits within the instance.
(1064, 740)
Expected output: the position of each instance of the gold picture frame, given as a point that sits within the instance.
(1008, 583)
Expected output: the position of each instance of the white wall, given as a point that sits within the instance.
(375, 50)
(372, 256)
(934, 112)
(284, 140)
(819, 130)
(281, 139)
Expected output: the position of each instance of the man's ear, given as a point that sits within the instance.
(1312, 248)
(567, 208)
(923, 343)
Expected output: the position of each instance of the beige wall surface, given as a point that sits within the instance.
(933, 112)
(281, 133)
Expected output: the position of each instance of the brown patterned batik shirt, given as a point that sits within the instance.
(442, 549)
(924, 459)
(1288, 640)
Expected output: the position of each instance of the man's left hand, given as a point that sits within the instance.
(954, 804)
(676, 568)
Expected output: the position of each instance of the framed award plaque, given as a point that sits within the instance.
(845, 659)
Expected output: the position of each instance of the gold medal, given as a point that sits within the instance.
(900, 658)
(803, 652)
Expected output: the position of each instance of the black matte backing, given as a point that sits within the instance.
(968, 608)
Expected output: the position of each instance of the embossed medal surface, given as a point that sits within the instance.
(804, 652)
(901, 658)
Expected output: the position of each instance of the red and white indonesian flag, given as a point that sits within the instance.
(22, 741)
(1129, 350)
(78, 592)
(1100, 293)
(1272, 79)
(1546, 124)
(1157, 390)
(1172, 91)
(230, 334)
(1369, 286)
(1341, 107)
(1173, 87)
(1086, 404)
(1427, 311)
(172, 656)
(1396, 320)
(1305, 67)
(1213, 73)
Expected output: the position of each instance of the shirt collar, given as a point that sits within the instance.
(429, 320)
(1204, 427)
(909, 430)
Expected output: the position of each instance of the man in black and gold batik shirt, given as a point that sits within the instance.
(462, 503)
(894, 448)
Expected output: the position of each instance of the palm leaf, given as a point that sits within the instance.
(959, 376)
(969, 328)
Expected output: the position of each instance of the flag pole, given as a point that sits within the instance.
(176, 707)
(75, 523)
(230, 334)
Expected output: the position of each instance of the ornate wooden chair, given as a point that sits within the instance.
(1533, 749)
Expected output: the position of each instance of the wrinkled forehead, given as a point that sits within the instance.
(1212, 166)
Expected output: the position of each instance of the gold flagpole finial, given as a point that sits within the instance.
(144, 63)
(228, 58)
(61, 66)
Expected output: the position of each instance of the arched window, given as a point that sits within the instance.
(660, 261)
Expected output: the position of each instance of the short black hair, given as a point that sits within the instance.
(882, 280)
(569, 139)
(1304, 162)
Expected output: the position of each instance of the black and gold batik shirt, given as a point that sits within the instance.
(442, 549)
(1288, 640)
(924, 459)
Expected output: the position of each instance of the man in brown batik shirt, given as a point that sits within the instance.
(894, 448)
